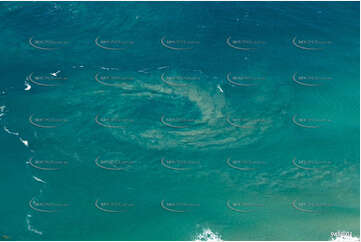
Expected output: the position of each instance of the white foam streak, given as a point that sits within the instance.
(39, 180)
(30, 227)
(25, 142)
(162, 67)
(10, 132)
(55, 73)
(2, 111)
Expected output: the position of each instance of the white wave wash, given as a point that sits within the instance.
(208, 235)
(27, 86)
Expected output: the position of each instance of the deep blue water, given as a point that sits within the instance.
(179, 120)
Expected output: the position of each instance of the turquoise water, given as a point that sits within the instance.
(179, 120)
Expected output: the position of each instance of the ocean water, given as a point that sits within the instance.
(179, 120)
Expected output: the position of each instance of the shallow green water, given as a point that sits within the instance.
(179, 121)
